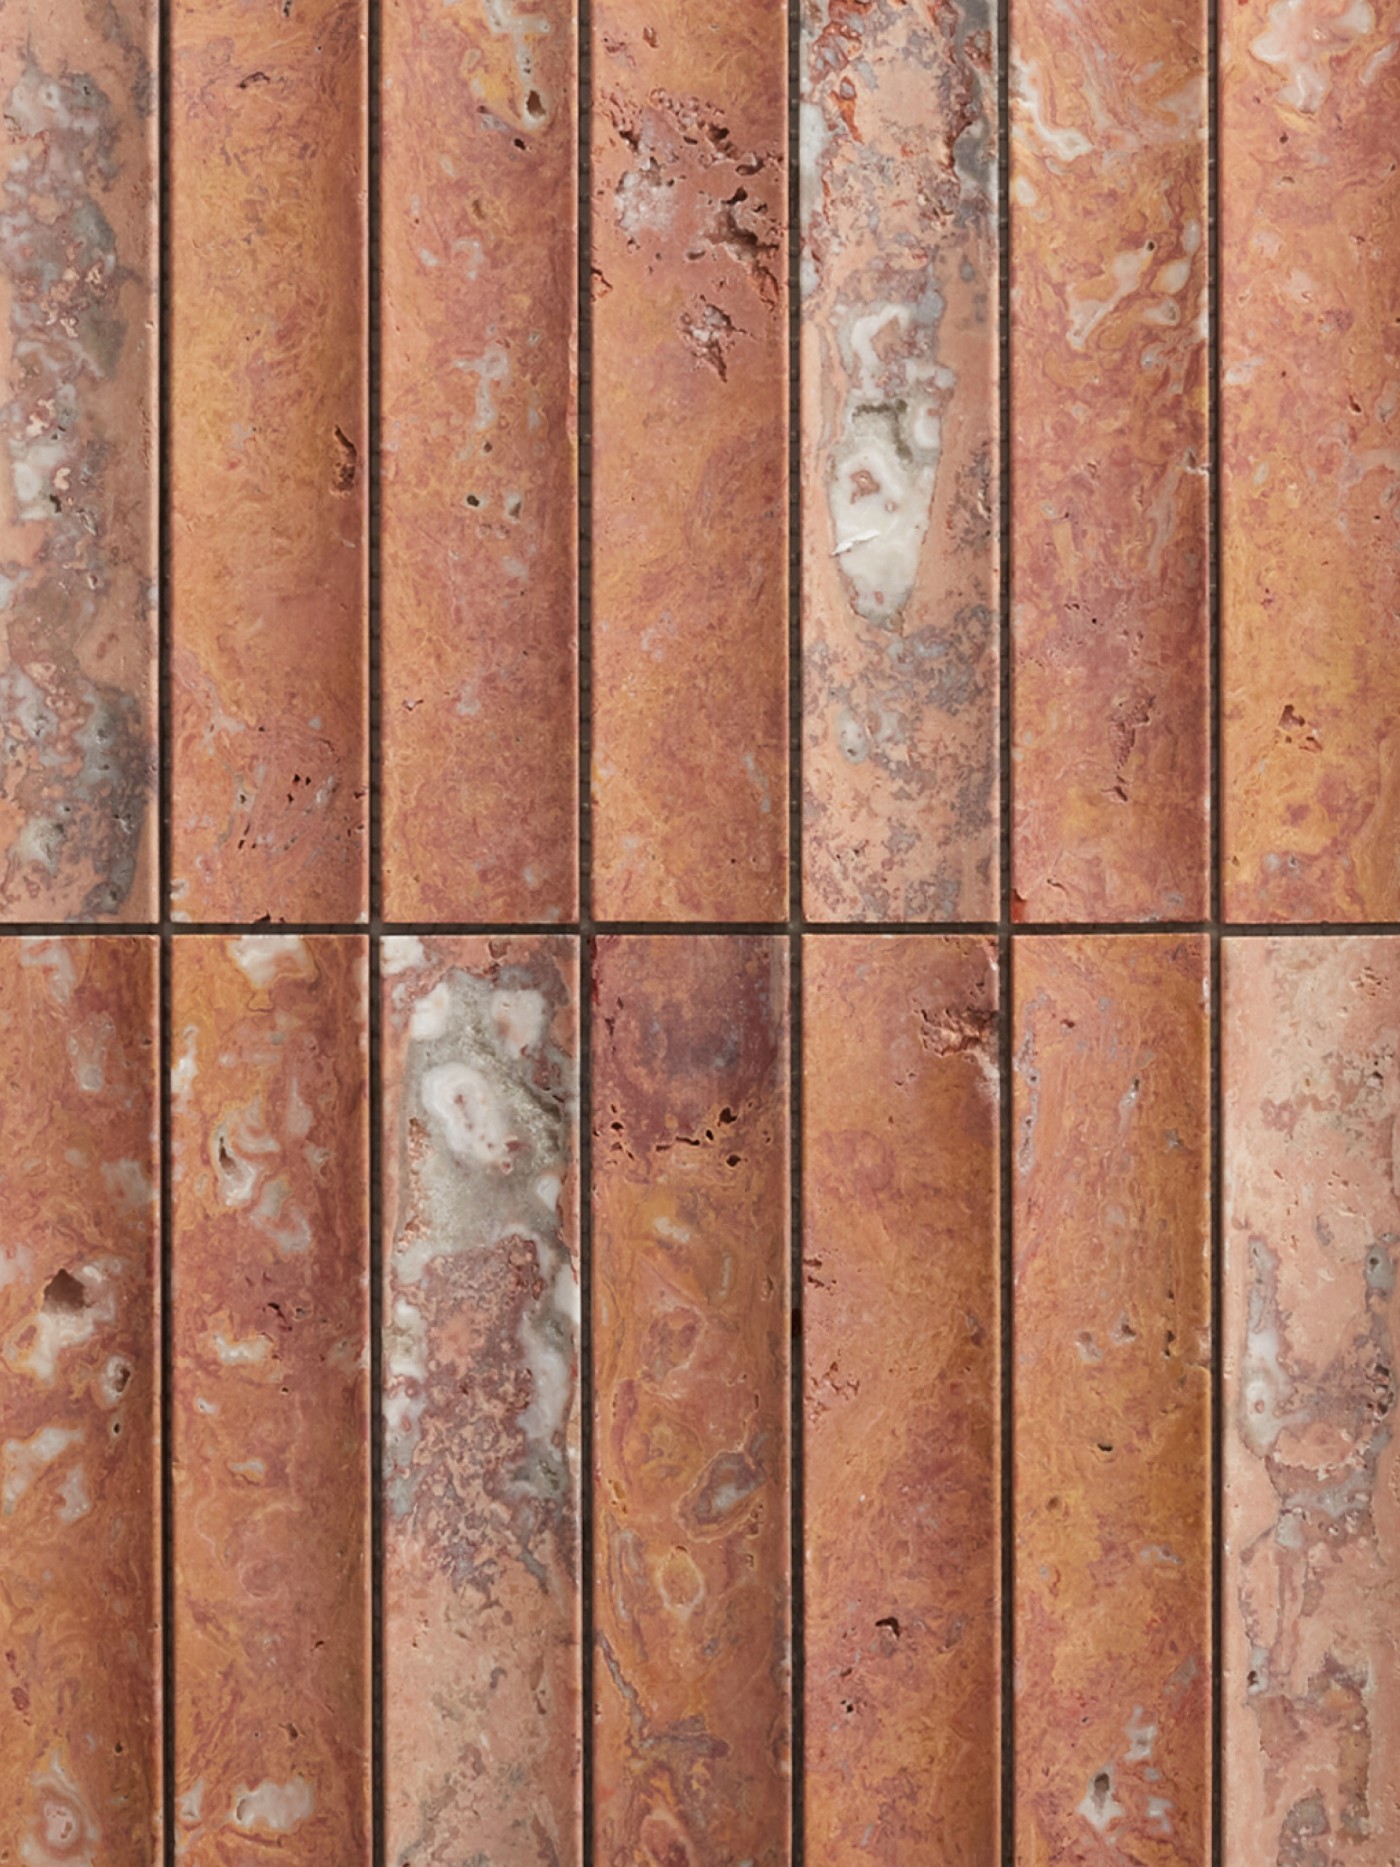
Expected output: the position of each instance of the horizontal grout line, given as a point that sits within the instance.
(1019, 930)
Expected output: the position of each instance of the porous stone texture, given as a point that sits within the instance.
(1311, 1609)
(480, 1476)
(78, 502)
(899, 444)
(690, 460)
(1109, 461)
(1111, 1383)
(268, 432)
(270, 1448)
(479, 290)
(80, 1778)
(900, 1303)
(692, 1572)
(1310, 459)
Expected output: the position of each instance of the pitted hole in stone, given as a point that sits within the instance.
(64, 1295)
(347, 463)
(890, 1624)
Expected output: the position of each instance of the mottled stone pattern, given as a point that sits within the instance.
(1111, 1429)
(690, 1337)
(270, 1400)
(268, 431)
(899, 441)
(77, 419)
(1312, 1481)
(1310, 459)
(690, 462)
(79, 1438)
(1109, 460)
(480, 1480)
(901, 1274)
(479, 198)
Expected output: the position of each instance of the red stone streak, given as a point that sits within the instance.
(1111, 1429)
(268, 432)
(482, 1640)
(80, 1774)
(900, 1335)
(270, 1332)
(899, 441)
(690, 1330)
(1312, 1480)
(1310, 459)
(690, 461)
(1109, 460)
(479, 196)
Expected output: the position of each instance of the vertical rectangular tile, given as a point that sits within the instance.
(690, 460)
(900, 1300)
(479, 290)
(268, 566)
(692, 1580)
(1110, 461)
(1111, 1428)
(80, 1776)
(1310, 466)
(1311, 1602)
(78, 260)
(270, 1402)
(482, 1654)
(899, 454)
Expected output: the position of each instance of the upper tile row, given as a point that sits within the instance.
(269, 440)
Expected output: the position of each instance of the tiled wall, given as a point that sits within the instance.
(699, 1006)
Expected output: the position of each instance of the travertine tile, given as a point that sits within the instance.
(1109, 461)
(900, 1333)
(1312, 1483)
(78, 518)
(1310, 466)
(479, 193)
(690, 460)
(482, 1658)
(268, 438)
(690, 1337)
(1111, 1429)
(899, 440)
(80, 1775)
(270, 1402)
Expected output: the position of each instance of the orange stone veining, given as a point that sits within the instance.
(1109, 461)
(78, 503)
(690, 1336)
(80, 1692)
(900, 1302)
(270, 1398)
(268, 437)
(1310, 460)
(690, 460)
(479, 191)
(1311, 1606)
(1111, 1429)
(480, 1474)
(899, 443)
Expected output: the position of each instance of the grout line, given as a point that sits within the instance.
(1006, 934)
(585, 1350)
(373, 501)
(166, 1417)
(1216, 1183)
(796, 1376)
(818, 930)
(794, 289)
(1216, 1163)
(376, 1402)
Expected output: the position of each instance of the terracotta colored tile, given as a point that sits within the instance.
(1310, 570)
(690, 461)
(900, 1332)
(270, 1405)
(269, 712)
(482, 1657)
(479, 190)
(690, 1339)
(1109, 461)
(77, 527)
(1111, 1432)
(1311, 1605)
(79, 1490)
(899, 444)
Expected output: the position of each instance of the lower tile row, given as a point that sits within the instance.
(268, 1516)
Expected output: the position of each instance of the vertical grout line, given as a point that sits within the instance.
(166, 1418)
(794, 286)
(1217, 1411)
(374, 591)
(585, 1257)
(797, 1465)
(376, 1401)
